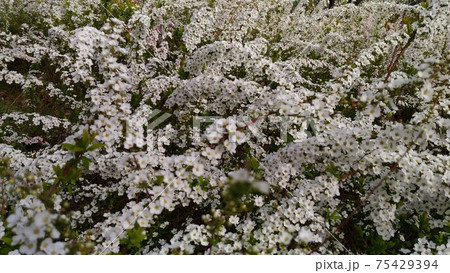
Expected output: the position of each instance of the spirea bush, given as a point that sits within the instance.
(224, 127)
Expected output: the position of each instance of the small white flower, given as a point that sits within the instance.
(198, 169)
(373, 110)
(208, 153)
(55, 233)
(143, 222)
(285, 109)
(230, 146)
(240, 137)
(259, 202)
(165, 202)
(231, 127)
(305, 235)
(15, 218)
(46, 245)
(42, 219)
(241, 175)
(261, 186)
(233, 220)
(28, 248)
(156, 208)
(213, 137)
(139, 142)
(285, 238)
(57, 248)
(427, 92)
(34, 232)
(2, 230)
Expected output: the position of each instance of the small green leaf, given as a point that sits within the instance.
(254, 164)
(85, 139)
(85, 161)
(95, 146)
(159, 180)
(136, 236)
(68, 146)
(7, 240)
(72, 147)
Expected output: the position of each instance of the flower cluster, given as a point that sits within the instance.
(34, 232)
(223, 127)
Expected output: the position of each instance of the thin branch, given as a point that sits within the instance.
(2, 211)
(394, 61)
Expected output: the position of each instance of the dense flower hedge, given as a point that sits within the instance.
(224, 126)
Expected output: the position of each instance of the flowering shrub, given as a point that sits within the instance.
(224, 126)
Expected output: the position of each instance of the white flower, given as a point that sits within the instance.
(240, 137)
(198, 169)
(55, 233)
(231, 127)
(2, 230)
(165, 202)
(209, 153)
(181, 173)
(261, 186)
(230, 146)
(28, 248)
(233, 220)
(42, 219)
(46, 245)
(285, 238)
(426, 93)
(15, 218)
(142, 222)
(213, 137)
(259, 201)
(241, 175)
(373, 111)
(50, 248)
(285, 109)
(212, 154)
(305, 235)
(34, 232)
(140, 142)
(142, 160)
(156, 208)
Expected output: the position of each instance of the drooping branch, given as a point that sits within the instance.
(397, 57)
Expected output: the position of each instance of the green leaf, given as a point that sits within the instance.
(56, 168)
(95, 146)
(136, 236)
(68, 146)
(159, 180)
(85, 138)
(202, 182)
(335, 216)
(85, 161)
(334, 170)
(72, 147)
(7, 240)
(6, 250)
(254, 164)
